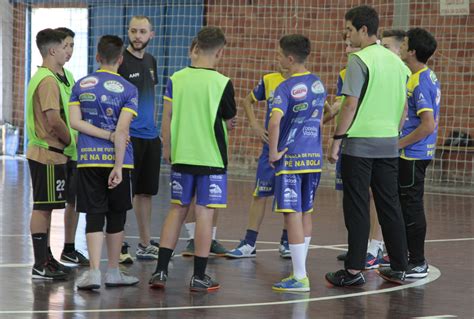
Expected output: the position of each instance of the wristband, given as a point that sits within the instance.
(339, 137)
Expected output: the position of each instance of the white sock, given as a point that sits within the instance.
(374, 247)
(307, 240)
(214, 231)
(190, 227)
(298, 259)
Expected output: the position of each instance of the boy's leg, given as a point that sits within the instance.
(375, 247)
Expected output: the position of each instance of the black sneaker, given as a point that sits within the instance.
(158, 280)
(396, 276)
(74, 257)
(56, 264)
(342, 257)
(420, 271)
(343, 278)
(48, 272)
(204, 284)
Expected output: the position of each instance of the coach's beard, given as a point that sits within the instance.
(144, 44)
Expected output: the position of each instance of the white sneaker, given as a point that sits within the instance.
(149, 252)
(244, 250)
(115, 278)
(89, 280)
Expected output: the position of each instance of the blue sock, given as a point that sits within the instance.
(284, 236)
(251, 237)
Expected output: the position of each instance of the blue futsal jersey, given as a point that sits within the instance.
(102, 96)
(300, 99)
(424, 95)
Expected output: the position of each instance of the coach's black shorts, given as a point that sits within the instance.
(71, 182)
(147, 162)
(94, 195)
(49, 185)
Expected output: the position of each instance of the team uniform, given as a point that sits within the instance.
(300, 99)
(339, 97)
(143, 131)
(199, 157)
(424, 95)
(265, 177)
(102, 96)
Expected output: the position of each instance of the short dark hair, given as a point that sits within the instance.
(46, 37)
(364, 15)
(68, 31)
(296, 45)
(398, 34)
(210, 38)
(422, 42)
(142, 17)
(193, 44)
(110, 48)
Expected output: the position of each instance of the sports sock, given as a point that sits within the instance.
(190, 227)
(164, 256)
(374, 247)
(298, 259)
(214, 231)
(251, 237)
(284, 235)
(69, 248)
(200, 264)
(40, 248)
(307, 240)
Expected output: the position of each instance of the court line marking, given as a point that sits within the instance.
(432, 276)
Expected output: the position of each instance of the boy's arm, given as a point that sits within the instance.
(426, 127)
(166, 130)
(85, 127)
(331, 111)
(274, 135)
(248, 108)
(120, 144)
(58, 125)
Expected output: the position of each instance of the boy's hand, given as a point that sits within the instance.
(276, 156)
(232, 123)
(112, 138)
(115, 178)
(261, 132)
(167, 154)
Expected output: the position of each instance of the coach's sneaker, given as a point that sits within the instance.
(125, 257)
(292, 284)
(189, 249)
(342, 257)
(343, 278)
(391, 275)
(371, 261)
(217, 249)
(244, 250)
(284, 249)
(203, 284)
(47, 272)
(57, 265)
(74, 257)
(89, 280)
(158, 280)
(116, 278)
(417, 271)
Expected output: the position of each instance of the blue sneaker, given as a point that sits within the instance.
(244, 250)
(292, 284)
(284, 249)
(373, 262)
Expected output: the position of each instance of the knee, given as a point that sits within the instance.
(116, 222)
(95, 223)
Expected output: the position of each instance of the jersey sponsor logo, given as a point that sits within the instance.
(317, 87)
(110, 100)
(134, 101)
(315, 112)
(300, 107)
(134, 75)
(114, 86)
(310, 131)
(299, 91)
(109, 112)
(433, 77)
(438, 96)
(87, 97)
(298, 120)
(177, 187)
(291, 136)
(216, 177)
(152, 74)
(290, 195)
(277, 100)
(289, 180)
(89, 110)
(88, 82)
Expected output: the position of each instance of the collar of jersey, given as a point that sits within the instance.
(422, 70)
(106, 71)
(300, 74)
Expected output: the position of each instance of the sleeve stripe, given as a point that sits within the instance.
(424, 110)
(279, 110)
(167, 99)
(253, 96)
(74, 103)
(130, 110)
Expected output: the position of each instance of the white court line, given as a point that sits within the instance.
(432, 276)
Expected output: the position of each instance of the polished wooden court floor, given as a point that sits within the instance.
(245, 284)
